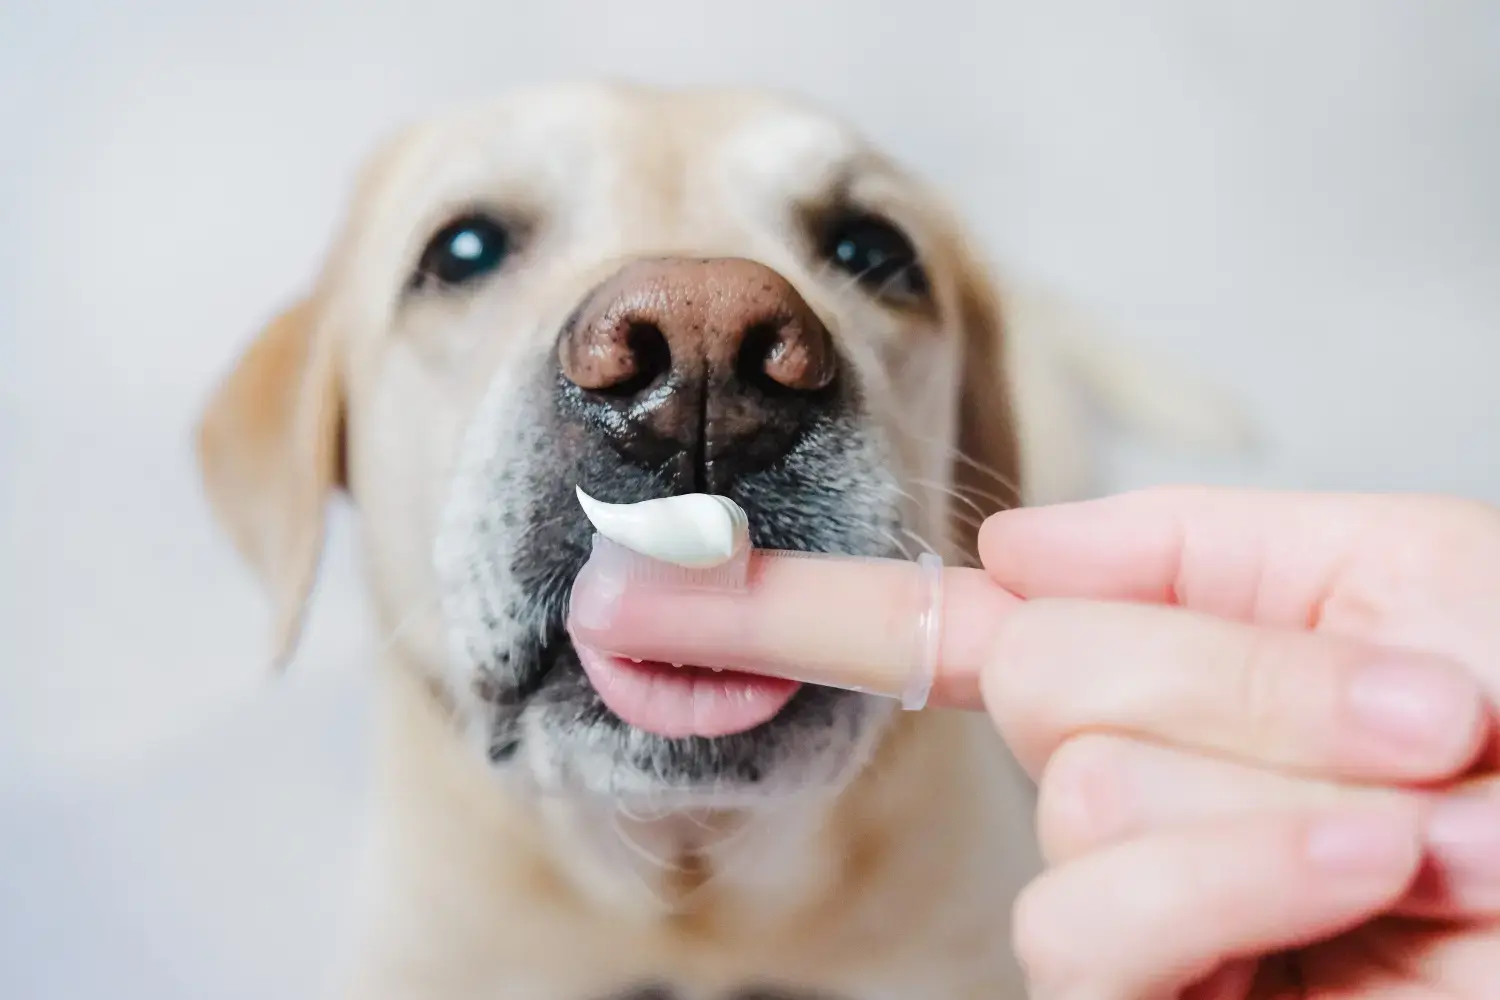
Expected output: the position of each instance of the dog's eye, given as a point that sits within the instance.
(877, 254)
(463, 250)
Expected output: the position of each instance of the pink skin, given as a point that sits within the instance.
(1139, 618)
(836, 622)
(684, 701)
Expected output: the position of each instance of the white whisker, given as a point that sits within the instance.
(950, 491)
(900, 545)
(653, 817)
(386, 642)
(969, 522)
(959, 455)
(920, 541)
(640, 850)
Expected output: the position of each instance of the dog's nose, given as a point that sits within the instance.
(690, 319)
(691, 361)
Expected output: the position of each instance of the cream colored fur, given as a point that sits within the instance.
(900, 885)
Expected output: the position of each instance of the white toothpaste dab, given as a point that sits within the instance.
(696, 530)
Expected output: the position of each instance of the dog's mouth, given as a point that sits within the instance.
(671, 701)
(576, 719)
(515, 540)
(677, 701)
(681, 704)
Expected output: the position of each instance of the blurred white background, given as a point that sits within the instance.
(1302, 200)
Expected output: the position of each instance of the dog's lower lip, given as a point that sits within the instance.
(677, 702)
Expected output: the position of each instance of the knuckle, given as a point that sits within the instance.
(1082, 799)
(1433, 545)
(1015, 686)
(1040, 935)
(1261, 689)
(1457, 512)
(1424, 528)
(1179, 495)
(1465, 526)
(1054, 954)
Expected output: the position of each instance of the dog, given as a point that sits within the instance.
(645, 292)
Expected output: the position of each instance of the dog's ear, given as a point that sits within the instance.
(987, 466)
(270, 449)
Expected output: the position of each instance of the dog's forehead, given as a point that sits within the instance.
(794, 150)
(570, 139)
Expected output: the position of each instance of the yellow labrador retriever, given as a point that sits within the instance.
(642, 293)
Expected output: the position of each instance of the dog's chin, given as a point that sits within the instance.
(573, 744)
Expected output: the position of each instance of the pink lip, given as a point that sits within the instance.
(678, 702)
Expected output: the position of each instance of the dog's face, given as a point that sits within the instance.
(643, 294)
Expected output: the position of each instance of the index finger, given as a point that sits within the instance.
(880, 626)
(1263, 557)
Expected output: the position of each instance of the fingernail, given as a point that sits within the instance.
(1463, 832)
(1413, 703)
(1375, 842)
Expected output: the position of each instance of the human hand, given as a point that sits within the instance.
(1248, 713)
(1205, 678)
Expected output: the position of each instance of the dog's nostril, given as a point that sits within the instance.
(614, 354)
(790, 352)
(750, 364)
(651, 358)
